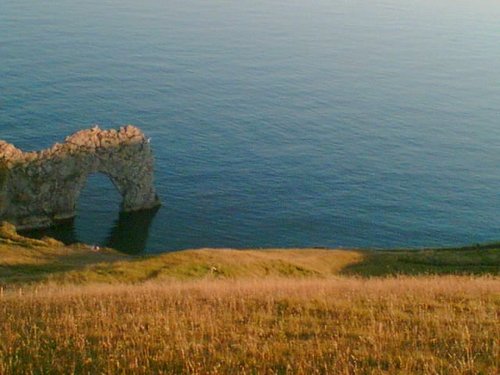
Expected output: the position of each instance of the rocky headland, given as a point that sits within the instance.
(37, 189)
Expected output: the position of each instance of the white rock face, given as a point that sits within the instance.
(39, 188)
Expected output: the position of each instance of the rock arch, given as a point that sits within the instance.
(37, 189)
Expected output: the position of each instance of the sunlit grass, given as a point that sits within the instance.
(22, 263)
(445, 324)
(74, 310)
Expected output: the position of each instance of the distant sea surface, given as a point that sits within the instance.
(329, 123)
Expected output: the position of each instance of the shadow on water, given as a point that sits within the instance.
(131, 230)
(129, 233)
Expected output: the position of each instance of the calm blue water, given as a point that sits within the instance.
(274, 123)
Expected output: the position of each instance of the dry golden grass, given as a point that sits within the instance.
(70, 310)
(335, 325)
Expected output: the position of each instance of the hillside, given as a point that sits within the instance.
(74, 309)
(24, 260)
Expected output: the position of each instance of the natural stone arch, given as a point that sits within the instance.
(37, 189)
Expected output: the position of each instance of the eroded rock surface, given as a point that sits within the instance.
(39, 188)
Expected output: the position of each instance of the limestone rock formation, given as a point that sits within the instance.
(39, 188)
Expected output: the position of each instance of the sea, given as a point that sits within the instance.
(297, 123)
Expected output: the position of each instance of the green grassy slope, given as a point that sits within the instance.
(24, 260)
(479, 260)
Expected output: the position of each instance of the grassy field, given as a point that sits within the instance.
(73, 310)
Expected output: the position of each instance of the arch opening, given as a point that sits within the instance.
(97, 209)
